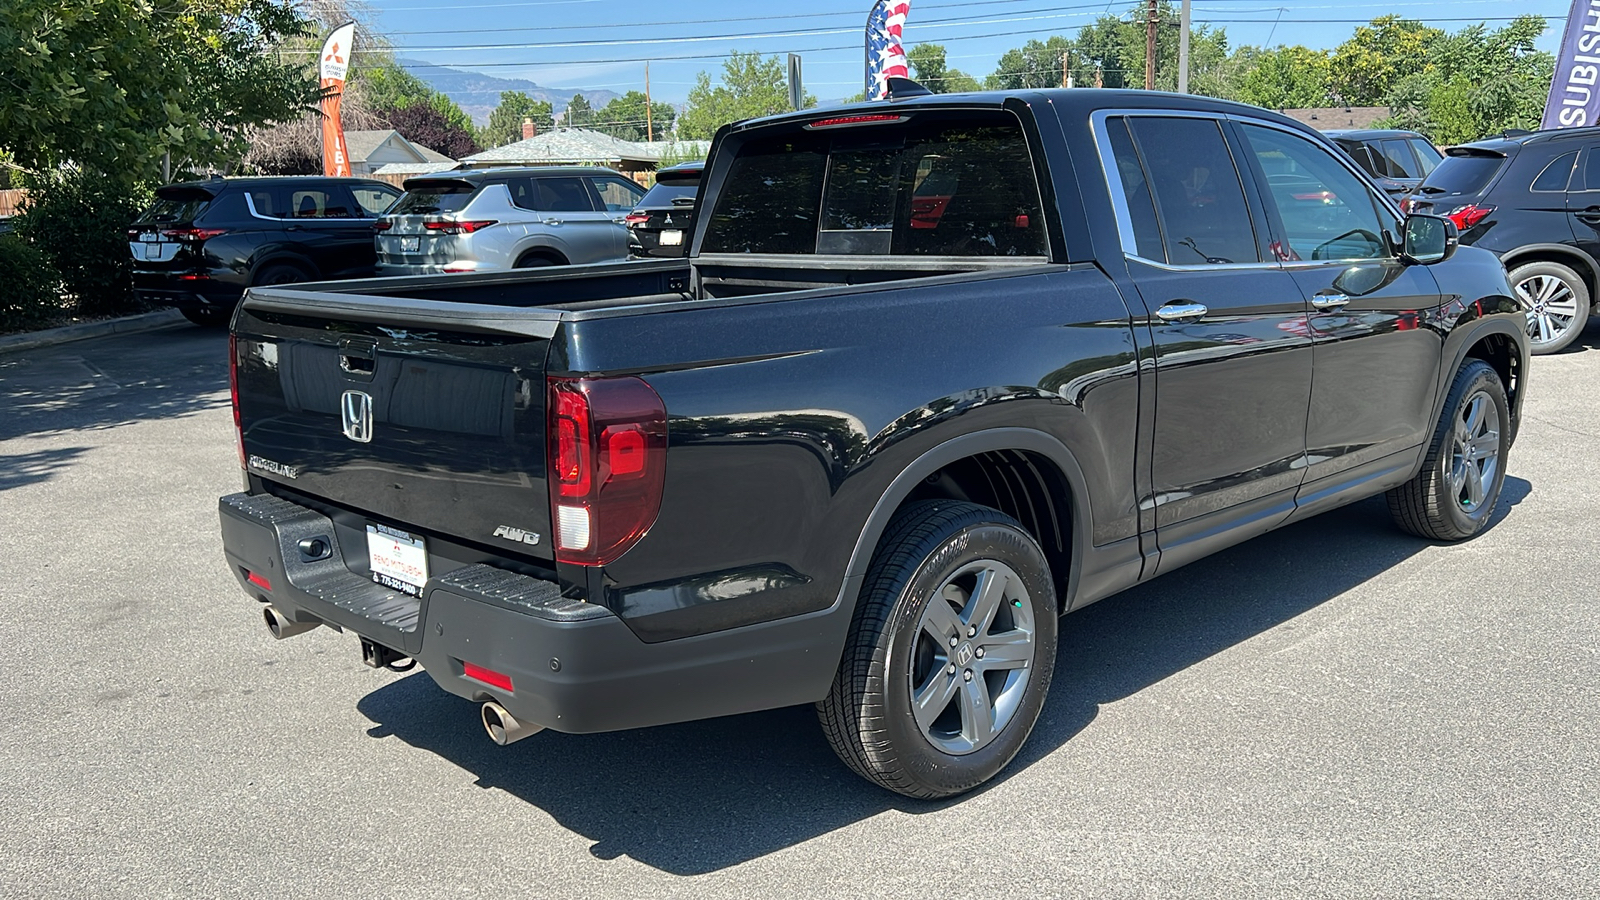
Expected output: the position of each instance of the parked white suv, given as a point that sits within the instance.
(514, 218)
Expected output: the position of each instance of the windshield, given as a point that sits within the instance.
(1462, 174)
(432, 197)
(940, 184)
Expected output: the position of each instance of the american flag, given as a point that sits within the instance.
(886, 57)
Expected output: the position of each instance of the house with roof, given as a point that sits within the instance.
(583, 147)
(370, 151)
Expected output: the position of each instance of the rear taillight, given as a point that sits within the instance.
(607, 462)
(382, 225)
(1467, 216)
(233, 394)
(1405, 205)
(193, 235)
(635, 219)
(458, 227)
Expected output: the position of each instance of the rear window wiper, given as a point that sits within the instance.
(1432, 189)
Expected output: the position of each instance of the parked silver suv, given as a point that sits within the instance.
(514, 218)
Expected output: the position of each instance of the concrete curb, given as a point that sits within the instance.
(29, 340)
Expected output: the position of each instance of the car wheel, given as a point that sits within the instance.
(1454, 495)
(950, 653)
(279, 274)
(1558, 304)
(534, 262)
(208, 318)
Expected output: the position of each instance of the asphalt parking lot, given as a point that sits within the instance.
(1335, 709)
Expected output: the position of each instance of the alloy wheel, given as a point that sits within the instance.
(972, 657)
(1475, 451)
(1552, 307)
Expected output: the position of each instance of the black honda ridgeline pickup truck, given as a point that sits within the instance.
(936, 371)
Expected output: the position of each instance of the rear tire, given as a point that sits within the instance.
(957, 618)
(279, 273)
(1454, 495)
(535, 262)
(208, 318)
(1558, 299)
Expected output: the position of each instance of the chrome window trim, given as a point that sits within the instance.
(1119, 199)
(250, 204)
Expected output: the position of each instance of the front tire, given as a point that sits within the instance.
(1558, 304)
(1454, 495)
(950, 654)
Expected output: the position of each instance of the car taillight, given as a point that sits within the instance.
(1468, 216)
(458, 227)
(382, 225)
(193, 235)
(607, 465)
(635, 219)
(233, 394)
(1405, 205)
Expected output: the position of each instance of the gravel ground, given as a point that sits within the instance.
(1333, 710)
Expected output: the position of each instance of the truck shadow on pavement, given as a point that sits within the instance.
(106, 382)
(702, 796)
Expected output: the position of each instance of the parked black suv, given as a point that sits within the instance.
(203, 242)
(660, 224)
(1396, 160)
(1534, 200)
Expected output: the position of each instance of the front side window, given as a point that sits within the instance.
(315, 203)
(618, 194)
(1327, 211)
(941, 184)
(1199, 201)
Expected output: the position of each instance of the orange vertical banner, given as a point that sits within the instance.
(335, 63)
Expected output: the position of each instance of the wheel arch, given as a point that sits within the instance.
(544, 251)
(1562, 254)
(1498, 343)
(1027, 474)
(286, 259)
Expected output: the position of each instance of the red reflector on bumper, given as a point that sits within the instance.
(487, 676)
(257, 579)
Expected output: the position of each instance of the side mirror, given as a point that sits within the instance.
(1429, 239)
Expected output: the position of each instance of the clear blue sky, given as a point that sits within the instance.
(522, 38)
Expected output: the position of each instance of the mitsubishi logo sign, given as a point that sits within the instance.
(357, 409)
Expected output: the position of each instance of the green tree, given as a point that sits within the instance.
(580, 113)
(384, 85)
(929, 68)
(1474, 83)
(1285, 77)
(505, 122)
(1036, 64)
(111, 85)
(1110, 52)
(1364, 68)
(752, 85)
(624, 117)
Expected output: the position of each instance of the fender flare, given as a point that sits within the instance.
(947, 452)
(1457, 357)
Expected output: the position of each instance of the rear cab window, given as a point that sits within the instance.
(939, 183)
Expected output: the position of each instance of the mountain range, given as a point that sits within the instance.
(478, 94)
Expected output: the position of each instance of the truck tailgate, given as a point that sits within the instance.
(414, 413)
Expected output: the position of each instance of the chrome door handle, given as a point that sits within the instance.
(551, 222)
(1180, 311)
(620, 220)
(1329, 301)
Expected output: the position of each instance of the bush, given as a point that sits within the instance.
(80, 221)
(29, 287)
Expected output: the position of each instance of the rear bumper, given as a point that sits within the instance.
(574, 667)
(163, 289)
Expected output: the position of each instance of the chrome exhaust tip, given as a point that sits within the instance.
(503, 728)
(282, 626)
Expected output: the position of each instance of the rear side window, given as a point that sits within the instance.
(1401, 163)
(372, 199)
(618, 194)
(562, 195)
(1554, 177)
(175, 206)
(1463, 174)
(1199, 200)
(1136, 191)
(941, 184)
(426, 198)
(1362, 154)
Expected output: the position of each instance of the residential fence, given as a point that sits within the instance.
(11, 202)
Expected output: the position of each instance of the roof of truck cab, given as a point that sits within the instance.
(1070, 103)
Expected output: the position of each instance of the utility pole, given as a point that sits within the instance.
(1150, 48)
(649, 121)
(1183, 49)
(1066, 68)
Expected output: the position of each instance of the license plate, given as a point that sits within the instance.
(149, 237)
(672, 238)
(410, 244)
(399, 560)
(152, 251)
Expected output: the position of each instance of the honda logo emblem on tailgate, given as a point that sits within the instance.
(357, 408)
